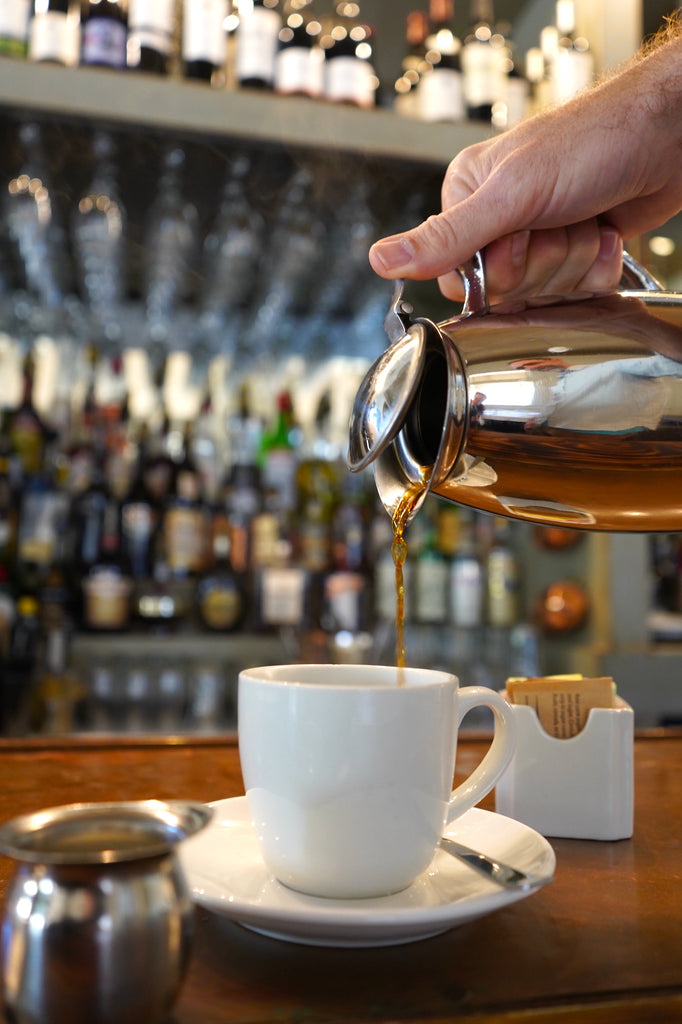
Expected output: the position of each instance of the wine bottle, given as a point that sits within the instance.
(27, 432)
(151, 25)
(441, 89)
(467, 578)
(277, 459)
(104, 33)
(139, 518)
(257, 41)
(514, 103)
(184, 518)
(349, 72)
(481, 63)
(54, 32)
(413, 64)
(204, 42)
(221, 591)
(299, 62)
(431, 572)
(573, 67)
(502, 572)
(107, 587)
(14, 21)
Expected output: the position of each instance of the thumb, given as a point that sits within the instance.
(443, 241)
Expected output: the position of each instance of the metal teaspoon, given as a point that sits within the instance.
(496, 870)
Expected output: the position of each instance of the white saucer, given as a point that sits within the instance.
(227, 875)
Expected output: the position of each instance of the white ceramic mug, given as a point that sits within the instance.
(348, 770)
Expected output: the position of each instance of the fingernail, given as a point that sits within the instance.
(519, 246)
(393, 253)
(609, 242)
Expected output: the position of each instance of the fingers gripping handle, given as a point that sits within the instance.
(498, 756)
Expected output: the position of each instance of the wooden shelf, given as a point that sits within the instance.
(127, 99)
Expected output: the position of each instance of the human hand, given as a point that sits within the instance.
(552, 200)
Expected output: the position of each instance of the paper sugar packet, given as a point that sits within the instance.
(562, 702)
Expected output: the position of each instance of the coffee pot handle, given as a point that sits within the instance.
(472, 272)
(638, 277)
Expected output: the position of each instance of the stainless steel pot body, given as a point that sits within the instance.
(98, 917)
(565, 411)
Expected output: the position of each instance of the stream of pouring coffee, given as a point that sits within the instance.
(401, 516)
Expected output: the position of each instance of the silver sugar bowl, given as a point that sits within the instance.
(98, 917)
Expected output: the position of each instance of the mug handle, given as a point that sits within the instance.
(498, 756)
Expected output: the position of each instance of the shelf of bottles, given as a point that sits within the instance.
(212, 66)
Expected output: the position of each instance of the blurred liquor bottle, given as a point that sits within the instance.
(299, 61)
(204, 40)
(467, 578)
(104, 33)
(221, 591)
(185, 521)
(349, 74)
(430, 585)
(27, 432)
(413, 65)
(260, 22)
(482, 56)
(573, 67)
(14, 22)
(151, 29)
(54, 32)
(502, 576)
(441, 89)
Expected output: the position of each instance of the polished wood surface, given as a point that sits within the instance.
(602, 943)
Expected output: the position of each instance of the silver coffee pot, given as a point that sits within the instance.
(564, 411)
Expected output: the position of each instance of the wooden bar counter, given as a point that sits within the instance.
(603, 942)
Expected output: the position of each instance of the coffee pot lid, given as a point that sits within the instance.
(385, 394)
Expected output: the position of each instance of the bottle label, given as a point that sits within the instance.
(502, 588)
(152, 39)
(14, 15)
(185, 539)
(466, 593)
(481, 69)
(279, 479)
(104, 42)
(221, 607)
(203, 32)
(344, 594)
(54, 36)
(516, 98)
(28, 441)
(42, 517)
(106, 599)
(441, 95)
(257, 44)
(137, 520)
(430, 585)
(572, 72)
(156, 17)
(349, 80)
(282, 596)
(294, 71)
